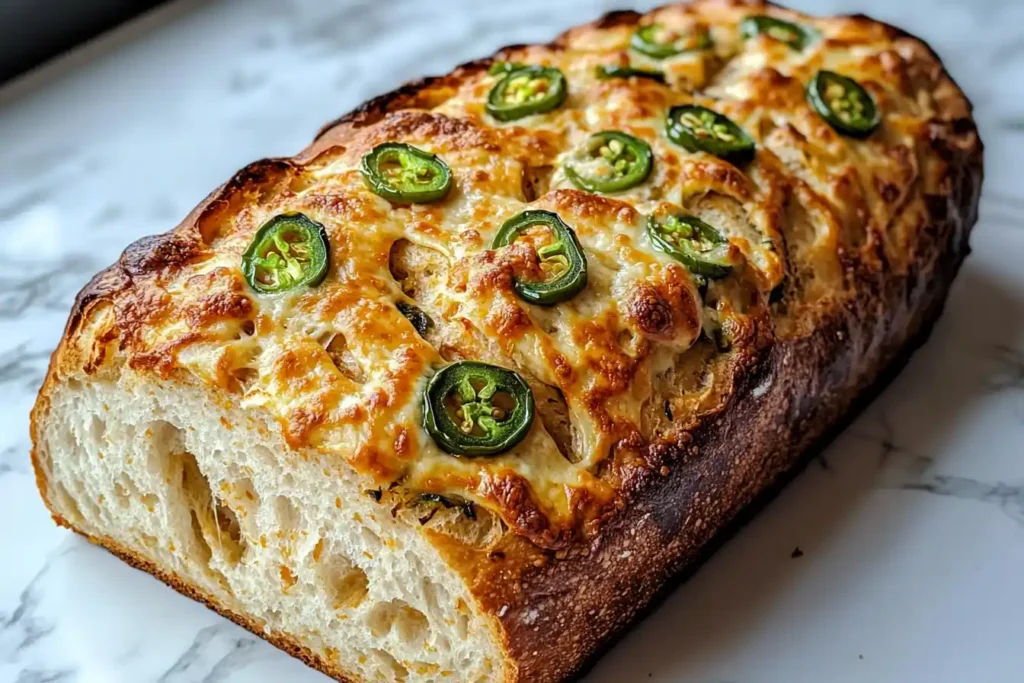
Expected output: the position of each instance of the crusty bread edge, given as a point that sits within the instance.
(773, 488)
(658, 529)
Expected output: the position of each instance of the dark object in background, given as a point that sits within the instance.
(33, 31)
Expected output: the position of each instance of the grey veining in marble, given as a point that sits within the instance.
(910, 527)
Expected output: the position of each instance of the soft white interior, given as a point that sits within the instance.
(209, 494)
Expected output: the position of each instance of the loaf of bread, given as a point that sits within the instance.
(453, 394)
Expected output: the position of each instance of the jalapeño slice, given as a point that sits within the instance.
(415, 315)
(402, 173)
(699, 129)
(499, 68)
(561, 256)
(610, 161)
(692, 242)
(844, 104)
(289, 251)
(526, 90)
(476, 409)
(659, 42)
(794, 35)
(606, 71)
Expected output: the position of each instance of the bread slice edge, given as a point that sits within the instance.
(285, 546)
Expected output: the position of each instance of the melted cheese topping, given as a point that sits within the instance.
(343, 370)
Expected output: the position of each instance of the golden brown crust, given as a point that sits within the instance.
(868, 250)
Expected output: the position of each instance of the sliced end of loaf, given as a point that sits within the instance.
(211, 500)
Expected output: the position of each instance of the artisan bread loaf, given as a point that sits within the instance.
(454, 393)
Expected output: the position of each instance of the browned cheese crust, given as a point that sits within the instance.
(650, 439)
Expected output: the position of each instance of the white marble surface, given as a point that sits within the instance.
(911, 525)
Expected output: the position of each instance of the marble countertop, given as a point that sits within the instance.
(896, 556)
